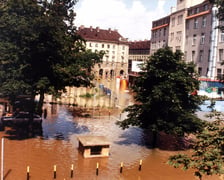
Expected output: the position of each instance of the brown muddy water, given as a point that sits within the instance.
(56, 144)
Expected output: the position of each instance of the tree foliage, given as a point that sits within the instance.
(208, 151)
(40, 51)
(163, 96)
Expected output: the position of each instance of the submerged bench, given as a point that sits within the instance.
(94, 146)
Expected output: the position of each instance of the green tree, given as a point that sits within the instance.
(163, 99)
(207, 157)
(40, 51)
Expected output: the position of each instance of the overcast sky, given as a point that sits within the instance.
(132, 18)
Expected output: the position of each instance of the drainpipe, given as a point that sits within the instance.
(214, 43)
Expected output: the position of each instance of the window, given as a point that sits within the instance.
(205, 8)
(201, 55)
(95, 150)
(202, 38)
(187, 24)
(210, 38)
(160, 32)
(108, 46)
(158, 45)
(186, 40)
(171, 36)
(200, 71)
(90, 45)
(204, 21)
(173, 21)
(219, 73)
(194, 39)
(221, 37)
(221, 55)
(102, 45)
(178, 37)
(185, 55)
(180, 19)
(195, 23)
(96, 45)
(192, 56)
(164, 32)
(164, 43)
(196, 10)
(209, 53)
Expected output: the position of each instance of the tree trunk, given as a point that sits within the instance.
(154, 139)
(40, 103)
(31, 112)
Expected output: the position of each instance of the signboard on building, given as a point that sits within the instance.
(136, 66)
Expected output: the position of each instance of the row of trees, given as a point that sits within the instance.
(40, 50)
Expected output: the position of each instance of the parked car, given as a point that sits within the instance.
(19, 118)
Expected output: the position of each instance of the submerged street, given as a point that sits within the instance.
(56, 144)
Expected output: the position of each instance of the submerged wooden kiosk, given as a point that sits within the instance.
(94, 146)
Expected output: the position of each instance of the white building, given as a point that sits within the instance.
(115, 61)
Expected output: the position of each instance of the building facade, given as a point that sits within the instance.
(198, 37)
(160, 34)
(115, 60)
(192, 29)
(139, 52)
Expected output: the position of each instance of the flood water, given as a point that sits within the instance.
(56, 144)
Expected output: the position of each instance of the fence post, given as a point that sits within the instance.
(55, 171)
(72, 168)
(121, 167)
(28, 172)
(97, 169)
(2, 160)
(140, 165)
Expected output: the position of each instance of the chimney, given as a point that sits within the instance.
(91, 28)
(97, 29)
(109, 30)
(81, 27)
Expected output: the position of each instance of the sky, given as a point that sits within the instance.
(132, 18)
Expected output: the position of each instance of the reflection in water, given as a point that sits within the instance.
(62, 126)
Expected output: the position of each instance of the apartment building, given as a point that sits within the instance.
(220, 52)
(198, 36)
(115, 61)
(192, 29)
(160, 34)
(139, 52)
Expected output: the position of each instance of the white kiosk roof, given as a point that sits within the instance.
(93, 140)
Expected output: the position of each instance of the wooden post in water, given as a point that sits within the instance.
(2, 160)
(97, 169)
(55, 171)
(72, 168)
(121, 167)
(140, 165)
(28, 172)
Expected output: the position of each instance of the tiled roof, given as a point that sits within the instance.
(97, 34)
(139, 45)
